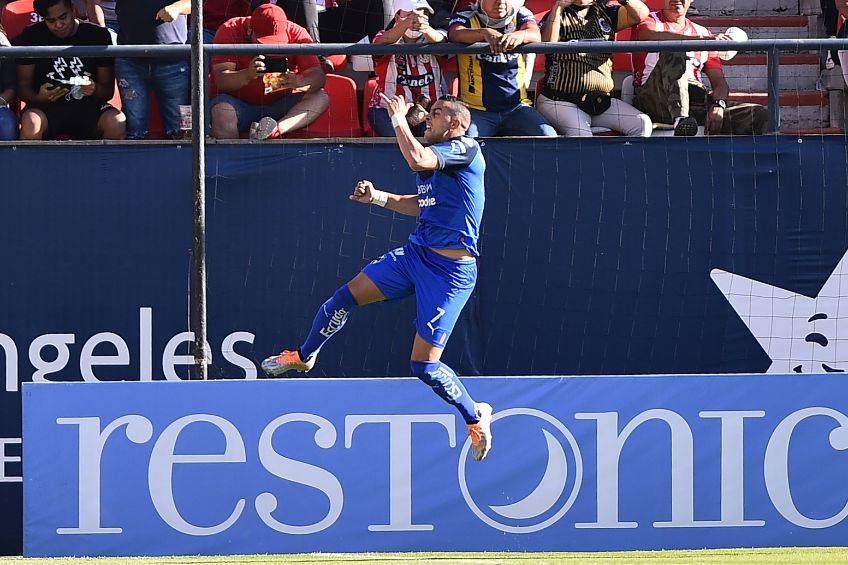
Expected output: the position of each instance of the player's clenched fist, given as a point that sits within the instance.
(363, 192)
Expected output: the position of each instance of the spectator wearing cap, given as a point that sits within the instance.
(152, 22)
(416, 78)
(302, 12)
(266, 104)
(494, 85)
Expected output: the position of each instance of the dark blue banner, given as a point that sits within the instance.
(599, 256)
(364, 465)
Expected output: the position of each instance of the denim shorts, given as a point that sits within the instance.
(441, 286)
(248, 113)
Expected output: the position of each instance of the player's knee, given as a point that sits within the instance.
(343, 298)
(421, 368)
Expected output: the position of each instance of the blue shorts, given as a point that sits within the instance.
(441, 286)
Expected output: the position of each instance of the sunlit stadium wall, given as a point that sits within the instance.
(599, 256)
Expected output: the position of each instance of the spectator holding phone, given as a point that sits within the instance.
(266, 95)
(67, 95)
(417, 78)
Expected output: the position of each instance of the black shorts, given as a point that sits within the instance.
(78, 120)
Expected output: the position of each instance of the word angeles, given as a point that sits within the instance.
(58, 357)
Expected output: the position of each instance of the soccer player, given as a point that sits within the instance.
(438, 263)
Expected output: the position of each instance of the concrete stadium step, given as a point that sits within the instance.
(798, 108)
(760, 27)
(746, 7)
(749, 72)
(811, 131)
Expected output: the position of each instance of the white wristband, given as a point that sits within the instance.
(379, 198)
(399, 120)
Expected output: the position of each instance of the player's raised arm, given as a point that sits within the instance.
(418, 157)
(365, 193)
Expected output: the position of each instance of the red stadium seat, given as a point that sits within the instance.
(342, 117)
(339, 62)
(539, 7)
(115, 101)
(16, 16)
(367, 94)
(623, 61)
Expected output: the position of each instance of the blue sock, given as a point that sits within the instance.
(329, 319)
(447, 385)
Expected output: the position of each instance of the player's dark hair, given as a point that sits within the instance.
(457, 110)
(41, 7)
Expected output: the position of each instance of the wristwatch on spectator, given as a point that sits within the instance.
(720, 103)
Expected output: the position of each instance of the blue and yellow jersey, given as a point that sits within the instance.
(493, 82)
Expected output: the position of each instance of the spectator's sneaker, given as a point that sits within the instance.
(266, 128)
(287, 361)
(685, 126)
(326, 65)
(481, 432)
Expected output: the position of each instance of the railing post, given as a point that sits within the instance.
(773, 59)
(198, 152)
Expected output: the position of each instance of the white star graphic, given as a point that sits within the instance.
(799, 333)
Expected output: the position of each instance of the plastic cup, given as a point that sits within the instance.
(185, 121)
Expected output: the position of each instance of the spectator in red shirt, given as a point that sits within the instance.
(268, 104)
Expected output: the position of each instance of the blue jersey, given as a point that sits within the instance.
(451, 197)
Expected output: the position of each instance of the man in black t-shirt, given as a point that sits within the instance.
(67, 95)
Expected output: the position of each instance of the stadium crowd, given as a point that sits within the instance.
(269, 97)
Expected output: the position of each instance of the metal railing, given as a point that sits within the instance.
(771, 47)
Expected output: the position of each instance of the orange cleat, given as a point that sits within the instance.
(287, 361)
(481, 432)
